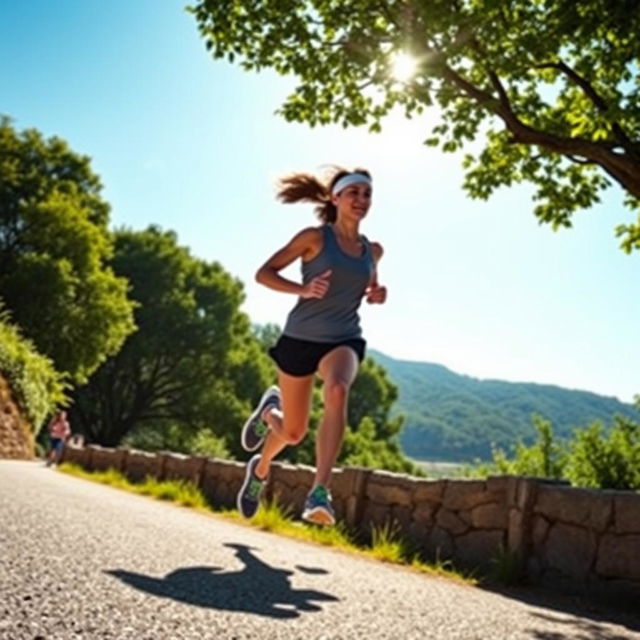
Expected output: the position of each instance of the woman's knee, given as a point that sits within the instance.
(336, 391)
(293, 432)
(294, 436)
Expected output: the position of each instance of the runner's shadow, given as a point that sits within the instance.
(256, 588)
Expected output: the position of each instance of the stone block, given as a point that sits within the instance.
(465, 494)
(178, 466)
(141, 464)
(619, 557)
(340, 507)
(450, 522)
(354, 485)
(539, 530)
(397, 491)
(627, 513)
(526, 489)
(418, 535)
(570, 550)
(282, 474)
(516, 533)
(75, 455)
(224, 496)
(208, 481)
(498, 486)
(423, 513)
(431, 490)
(341, 484)
(440, 544)
(586, 507)
(302, 475)
(401, 515)
(279, 489)
(120, 459)
(104, 458)
(489, 516)
(478, 548)
(230, 470)
(374, 515)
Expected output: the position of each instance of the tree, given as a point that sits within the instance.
(553, 86)
(54, 245)
(192, 365)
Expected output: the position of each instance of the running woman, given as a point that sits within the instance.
(321, 336)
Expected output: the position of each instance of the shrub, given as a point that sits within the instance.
(606, 460)
(37, 386)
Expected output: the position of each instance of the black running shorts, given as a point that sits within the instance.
(302, 357)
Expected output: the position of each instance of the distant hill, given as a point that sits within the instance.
(457, 418)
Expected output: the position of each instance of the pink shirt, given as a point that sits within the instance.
(59, 428)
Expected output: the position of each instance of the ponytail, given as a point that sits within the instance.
(305, 187)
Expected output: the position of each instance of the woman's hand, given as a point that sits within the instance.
(317, 287)
(376, 294)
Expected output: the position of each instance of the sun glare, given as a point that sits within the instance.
(403, 66)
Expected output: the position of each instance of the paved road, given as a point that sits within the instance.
(81, 560)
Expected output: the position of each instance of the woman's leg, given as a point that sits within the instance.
(338, 370)
(288, 426)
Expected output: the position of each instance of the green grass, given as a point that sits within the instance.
(386, 543)
(506, 568)
(388, 546)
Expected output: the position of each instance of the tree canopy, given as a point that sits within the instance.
(54, 244)
(554, 86)
(193, 363)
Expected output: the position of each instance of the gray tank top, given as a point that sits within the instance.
(334, 317)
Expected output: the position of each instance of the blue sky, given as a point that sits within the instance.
(193, 145)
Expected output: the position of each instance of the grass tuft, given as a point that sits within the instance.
(272, 516)
(387, 545)
(506, 567)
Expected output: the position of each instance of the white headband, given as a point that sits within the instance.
(350, 178)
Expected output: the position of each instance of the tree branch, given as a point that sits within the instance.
(589, 90)
(623, 167)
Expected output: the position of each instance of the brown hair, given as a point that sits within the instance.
(305, 187)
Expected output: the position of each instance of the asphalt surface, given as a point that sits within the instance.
(82, 560)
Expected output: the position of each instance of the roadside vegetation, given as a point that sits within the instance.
(386, 544)
(595, 457)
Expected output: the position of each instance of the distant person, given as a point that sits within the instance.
(322, 333)
(59, 430)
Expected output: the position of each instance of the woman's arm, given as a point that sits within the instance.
(306, 245)
(376, 293)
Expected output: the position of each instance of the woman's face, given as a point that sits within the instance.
(353, 202)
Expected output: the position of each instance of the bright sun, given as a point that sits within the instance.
(403, 66)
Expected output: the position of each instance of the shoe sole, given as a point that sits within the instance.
(319, 516)
(254, 416)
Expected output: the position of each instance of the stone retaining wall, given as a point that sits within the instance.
(16, 438)
(578, 540)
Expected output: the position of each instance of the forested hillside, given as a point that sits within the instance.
(456, 417)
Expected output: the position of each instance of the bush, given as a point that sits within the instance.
(595, 457)
(606, 460)
(37, 386)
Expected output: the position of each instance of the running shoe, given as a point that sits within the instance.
(248, 499)
(255, 428)
(318, 508)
